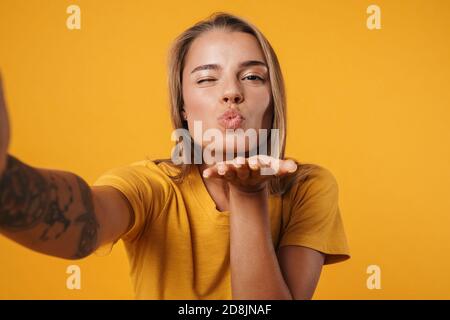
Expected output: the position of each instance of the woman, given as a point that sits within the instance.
(208, 230)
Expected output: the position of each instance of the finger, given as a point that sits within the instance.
(226, 168)
(219, 170)
(211, 172)
(239, 161)
(290, 166)
(265, 160)
(286, 167)
(256, 164)
(253, 163)
(268, 165)
(207, 173)
(229, 172)
(242, 171)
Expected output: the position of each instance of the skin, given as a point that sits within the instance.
(228, 86)
(4, 129)
(237, 185)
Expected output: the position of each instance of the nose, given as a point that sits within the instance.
(232, 95)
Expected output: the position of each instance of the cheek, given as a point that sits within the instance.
(267, 119)
(198, 104)
(261, 110)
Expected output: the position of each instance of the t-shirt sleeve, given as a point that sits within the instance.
(315, 220)
(146, 189)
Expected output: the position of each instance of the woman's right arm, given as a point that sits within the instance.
(56, 212)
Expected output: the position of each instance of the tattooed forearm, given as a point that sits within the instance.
(49, 203)
(88, 239)
(22, 195)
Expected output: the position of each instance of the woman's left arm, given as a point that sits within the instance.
(256, 270)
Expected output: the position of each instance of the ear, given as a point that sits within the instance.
(183, 114)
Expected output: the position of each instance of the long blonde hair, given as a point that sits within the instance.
(176, 62)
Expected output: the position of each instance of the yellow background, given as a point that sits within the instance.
(370, 105)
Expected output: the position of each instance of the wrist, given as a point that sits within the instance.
(239, 191)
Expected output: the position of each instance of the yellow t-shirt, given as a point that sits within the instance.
(178, 246)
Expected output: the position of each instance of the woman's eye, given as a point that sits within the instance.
(253, 78)
(249, 77)
(204, 80)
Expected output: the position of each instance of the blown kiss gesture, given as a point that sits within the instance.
(251, 174)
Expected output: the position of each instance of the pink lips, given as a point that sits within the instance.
(231, 119)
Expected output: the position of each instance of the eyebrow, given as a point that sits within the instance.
(244, 64)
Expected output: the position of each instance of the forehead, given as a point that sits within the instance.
(223, 47)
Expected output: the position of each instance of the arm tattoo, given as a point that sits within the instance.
(27, 198)
(88, 238)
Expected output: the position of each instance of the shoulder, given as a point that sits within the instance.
(309, 180)
(142, 174)
(141, 168)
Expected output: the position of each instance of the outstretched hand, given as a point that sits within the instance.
(250, 174)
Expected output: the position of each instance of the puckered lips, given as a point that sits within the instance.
(231, 119)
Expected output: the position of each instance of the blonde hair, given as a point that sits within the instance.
(176, 62)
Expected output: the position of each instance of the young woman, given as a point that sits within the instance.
(203, 230)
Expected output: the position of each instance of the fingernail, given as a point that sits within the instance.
(292, 167)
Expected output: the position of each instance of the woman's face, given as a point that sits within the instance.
(226, 84)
